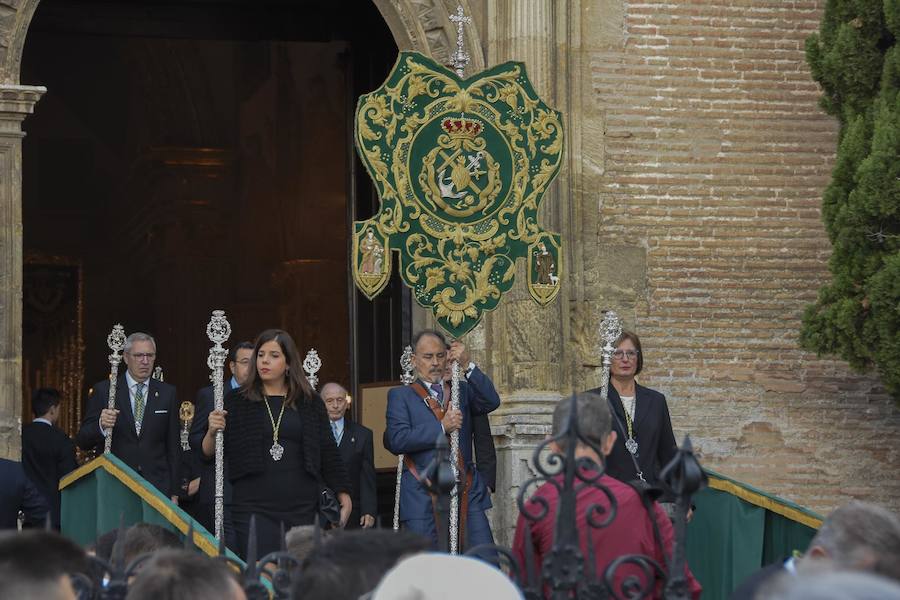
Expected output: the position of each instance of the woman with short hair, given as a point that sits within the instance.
(640, 415)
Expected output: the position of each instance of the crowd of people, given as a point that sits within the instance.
(296, 462)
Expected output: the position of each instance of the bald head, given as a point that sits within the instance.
(335, 397)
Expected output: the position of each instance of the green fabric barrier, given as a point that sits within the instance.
(737, 529)
(725, 541)
(96, 495)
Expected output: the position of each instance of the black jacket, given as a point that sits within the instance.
(357, 451)
(47, 455)
(18, 493)
(156, 454)
(202, 407)
(247, 444)
(652, 432)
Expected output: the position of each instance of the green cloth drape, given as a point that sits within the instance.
(738, 529)
(97, 495)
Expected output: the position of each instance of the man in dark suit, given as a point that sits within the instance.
(240, 361)
(47, 452)
(144, 424)
(355, 444)
(17, 493)
(420, 412)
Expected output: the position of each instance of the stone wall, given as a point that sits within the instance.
(701, 157)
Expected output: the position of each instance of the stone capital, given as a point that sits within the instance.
(16, 103)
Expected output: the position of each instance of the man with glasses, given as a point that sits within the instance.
(144, 424)
(417, 415)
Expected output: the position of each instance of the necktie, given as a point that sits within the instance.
(438, 392)
(334, 430)
(138, 406)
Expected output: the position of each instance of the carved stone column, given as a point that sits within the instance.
(16, 102)
(525, 345)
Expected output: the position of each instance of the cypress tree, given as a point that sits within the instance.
(857, 314)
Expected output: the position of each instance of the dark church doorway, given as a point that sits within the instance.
(191, 155)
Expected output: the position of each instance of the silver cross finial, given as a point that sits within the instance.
(460, 58)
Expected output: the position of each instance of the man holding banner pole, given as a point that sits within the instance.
(416, 415)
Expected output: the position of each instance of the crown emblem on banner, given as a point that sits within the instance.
(462, 127)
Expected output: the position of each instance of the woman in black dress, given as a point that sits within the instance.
(278, 446)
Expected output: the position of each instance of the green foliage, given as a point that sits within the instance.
(857, 314)
(846, 56)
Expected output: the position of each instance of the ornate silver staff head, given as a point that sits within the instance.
(116, 342)
(610, 330)
(158, 374)
(218, 330)
(406, 364)
(311, 364)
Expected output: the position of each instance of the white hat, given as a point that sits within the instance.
(445, 577)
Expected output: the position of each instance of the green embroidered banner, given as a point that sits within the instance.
(460, 166)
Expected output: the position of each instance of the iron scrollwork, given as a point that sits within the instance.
(567, 571)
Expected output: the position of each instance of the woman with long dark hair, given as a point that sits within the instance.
(278, 446)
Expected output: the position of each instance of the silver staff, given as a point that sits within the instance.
(116, 342)
(610, 330)
(454, 460)
(218, 330)
(311, 364)
(406, 364)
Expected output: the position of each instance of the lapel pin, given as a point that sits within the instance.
(156, 394)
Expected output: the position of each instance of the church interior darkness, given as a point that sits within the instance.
(194, 155)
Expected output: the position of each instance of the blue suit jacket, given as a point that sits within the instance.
(412, 429)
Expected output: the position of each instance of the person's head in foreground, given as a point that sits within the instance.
(441, 577)
(184, 575)
(858, 536)
(841, 585)
(349, 564)
(38, 564)
(594, 425)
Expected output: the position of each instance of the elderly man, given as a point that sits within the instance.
(855, 537)
(354, 442)
(144, 423)
(417, 415)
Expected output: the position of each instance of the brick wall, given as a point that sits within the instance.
(709, 240)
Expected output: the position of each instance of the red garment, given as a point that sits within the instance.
(631, 532)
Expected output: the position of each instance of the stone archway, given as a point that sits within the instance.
(421, 25)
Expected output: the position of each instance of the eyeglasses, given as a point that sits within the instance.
(143, 356)
(620, 354)
(243, 361)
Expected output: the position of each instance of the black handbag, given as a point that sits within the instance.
(329, 508)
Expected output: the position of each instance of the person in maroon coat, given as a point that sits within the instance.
(631, 532)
